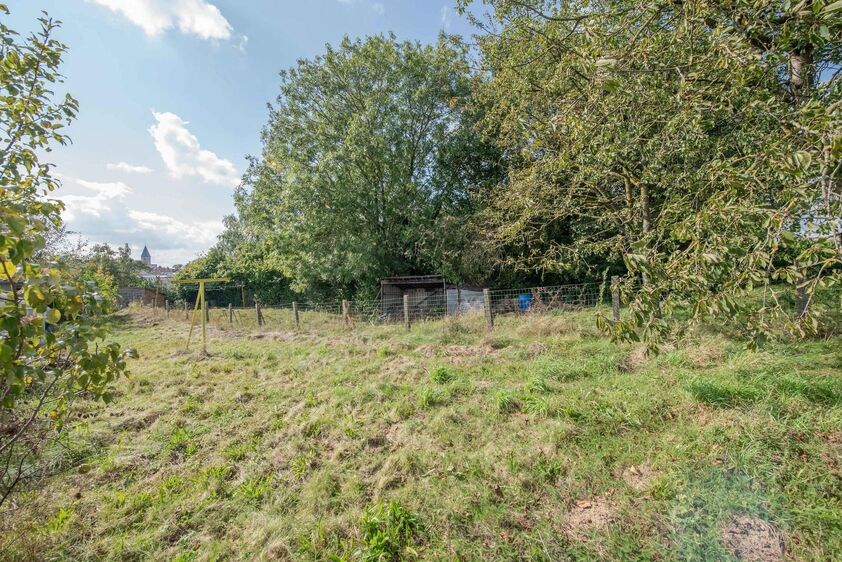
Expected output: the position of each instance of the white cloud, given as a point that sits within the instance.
(128, 168)
(378, 8)
(184, 157)
(197, 17)
(201, 233)
(445, 17)
(104, 193)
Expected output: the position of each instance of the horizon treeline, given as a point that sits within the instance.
(693, 148)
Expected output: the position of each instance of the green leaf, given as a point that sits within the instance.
(53, 316)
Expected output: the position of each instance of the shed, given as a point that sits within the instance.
(427, 295)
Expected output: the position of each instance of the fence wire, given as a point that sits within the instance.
(417, 307)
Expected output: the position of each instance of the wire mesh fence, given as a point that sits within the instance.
(411, 308)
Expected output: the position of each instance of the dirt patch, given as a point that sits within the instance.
(588, 515)
(753, 539)
(639, 477)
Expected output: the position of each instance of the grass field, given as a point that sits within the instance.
(542, 441)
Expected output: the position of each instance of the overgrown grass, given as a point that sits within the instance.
(441, 443)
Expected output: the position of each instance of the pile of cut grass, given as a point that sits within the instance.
(542, 441)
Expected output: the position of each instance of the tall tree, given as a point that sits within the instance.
(352, 181)
(690, 142)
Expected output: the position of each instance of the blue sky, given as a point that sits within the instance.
(173, 95)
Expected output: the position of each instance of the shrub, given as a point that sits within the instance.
(50, 337)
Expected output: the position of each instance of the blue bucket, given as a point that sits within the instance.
(525, 301)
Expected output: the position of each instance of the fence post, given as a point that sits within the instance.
(458, 300)
(230, 313)
(207, 310)
(615, 298)
(258, 314)
(802, 298)
(486, 305)
(346, 314)
(186, 314)
(295, 314)
(167, 307)
(406, 312)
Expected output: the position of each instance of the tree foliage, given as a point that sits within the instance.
(51, 349)
(694, 144)
(370, 158)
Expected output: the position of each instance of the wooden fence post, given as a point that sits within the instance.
(258, 314)
(486, 305)
(230, 313)
(615, 298)
(802, 298)
(346, 313)
(406, 323)
(167, 307)
(295, 314)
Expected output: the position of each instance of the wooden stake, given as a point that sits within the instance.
(615, 298)
(346, 313)
(230, 313)
(802, 297)
(295, 314)
(486, 304)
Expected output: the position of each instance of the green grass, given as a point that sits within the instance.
(442, 443)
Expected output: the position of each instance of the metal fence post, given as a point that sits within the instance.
(486, 304)
(615, 297)
(295, 314)
(406, 312)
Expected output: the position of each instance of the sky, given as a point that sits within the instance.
(173, 95)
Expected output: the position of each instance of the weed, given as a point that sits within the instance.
(442, 375)
(58, 522)
(536, 405)
(429, 397)
(538, 384)
(388, 533)
(506, 402)
(180, 442)
(255, 490)
(548, 469)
